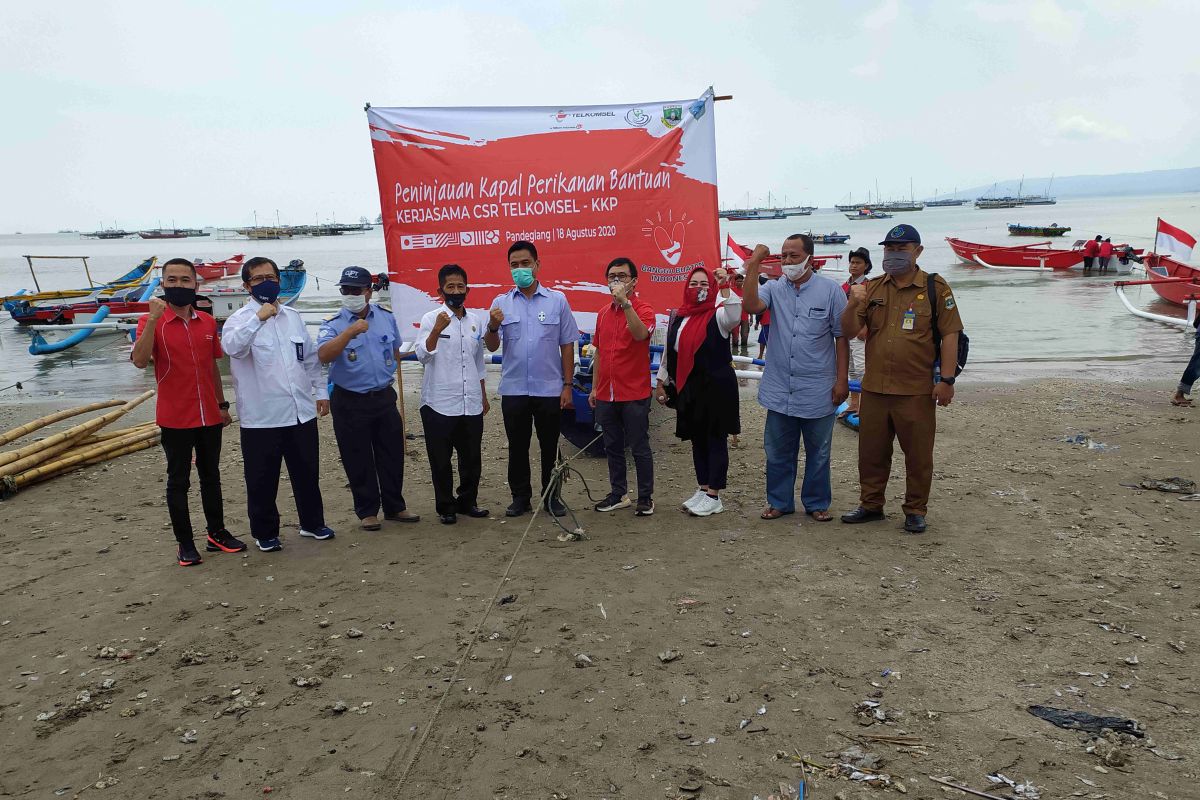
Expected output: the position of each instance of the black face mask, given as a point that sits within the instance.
(455, 301)
(179, 296)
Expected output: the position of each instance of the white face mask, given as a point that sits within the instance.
(794, 272)
(354, 303)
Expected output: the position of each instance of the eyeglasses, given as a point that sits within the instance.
(619, 276)
(352, 290)
(258, 279)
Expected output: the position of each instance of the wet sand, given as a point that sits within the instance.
(1041, 580)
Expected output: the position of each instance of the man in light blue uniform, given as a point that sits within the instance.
(538, 331)
(805, 377)
(361, 345)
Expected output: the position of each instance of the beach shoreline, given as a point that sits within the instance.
(1041, 580)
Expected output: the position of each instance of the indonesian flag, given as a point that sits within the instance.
(1173, 241)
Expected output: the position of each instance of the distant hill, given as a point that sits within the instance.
(1161, 181)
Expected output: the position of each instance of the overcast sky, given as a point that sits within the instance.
(201, 113)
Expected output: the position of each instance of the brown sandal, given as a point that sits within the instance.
(820, 516)
(770, 512)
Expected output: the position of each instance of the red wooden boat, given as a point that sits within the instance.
(1024, 256)
(1181, 281)
(772, 265)
(216, 270)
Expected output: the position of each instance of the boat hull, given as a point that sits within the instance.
(1176, 293)
(1015, 257)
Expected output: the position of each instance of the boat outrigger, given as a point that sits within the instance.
(1174, 281)
(25, 298)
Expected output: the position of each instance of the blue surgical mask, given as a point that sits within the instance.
(522, 277)
(265, 292)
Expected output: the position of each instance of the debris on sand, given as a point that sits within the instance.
(307, 682)
(667, 656)
(1083, 721)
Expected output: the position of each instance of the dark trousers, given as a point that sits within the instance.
(178, 444)
(744, 335)
(912, 419)
(1088, 261)
(264, 452)
(522, 414)
(627, 423)
(370, 437)
(445, 436)
(1192, 371)
(710, 456)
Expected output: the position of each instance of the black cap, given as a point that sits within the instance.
(902, 234)
(355, 276)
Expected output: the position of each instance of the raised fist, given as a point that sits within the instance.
(619, 292)
(267, 310)
(495, 317)
(358, 327)
(157, 307)
(761, 251)
(858, 294)
(441, 322)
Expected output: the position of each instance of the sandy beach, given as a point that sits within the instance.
(660, 657)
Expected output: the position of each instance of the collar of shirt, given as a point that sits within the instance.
(918, 278)
(540, 289)
(171, 311)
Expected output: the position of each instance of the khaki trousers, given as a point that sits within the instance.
(913, 420)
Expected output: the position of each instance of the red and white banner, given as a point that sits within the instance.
(585, 184)
(1174, 242)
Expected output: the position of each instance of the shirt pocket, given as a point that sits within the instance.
(814, 321)
(299, 348)
(548, 326)
(510, 328)
(262, 349)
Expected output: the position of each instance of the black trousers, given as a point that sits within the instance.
(710, 457)
(370, 437)
(522, 414)
(445, 436)
(264, 451)
(627, 422)
(178, 444)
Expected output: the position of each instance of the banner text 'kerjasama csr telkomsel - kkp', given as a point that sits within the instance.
(585, 184)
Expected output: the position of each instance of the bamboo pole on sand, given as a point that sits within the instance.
(50, 419)
(96, 438)
(74, 433)
(85, 456)
(29, 462)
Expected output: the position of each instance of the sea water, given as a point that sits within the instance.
(1022, 325)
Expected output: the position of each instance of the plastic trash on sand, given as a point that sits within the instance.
(1083, 721)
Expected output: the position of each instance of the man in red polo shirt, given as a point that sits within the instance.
(191, 409)
(621, 387)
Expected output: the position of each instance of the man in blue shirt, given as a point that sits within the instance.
(538, 331)
(805, 377)
(361, 345)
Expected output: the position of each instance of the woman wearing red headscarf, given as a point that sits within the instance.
(697, 374)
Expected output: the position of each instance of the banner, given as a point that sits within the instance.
(585, 184)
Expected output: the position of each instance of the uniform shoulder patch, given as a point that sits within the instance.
(332, 316)
(949, 301)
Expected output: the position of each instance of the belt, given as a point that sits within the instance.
(364, 394)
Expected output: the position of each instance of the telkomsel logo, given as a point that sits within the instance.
(431, 241)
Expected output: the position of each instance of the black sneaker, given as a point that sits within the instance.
(223, 542)
(520, 505)
(612, 503)
(556, 507)
(188, 555)
(644, 508)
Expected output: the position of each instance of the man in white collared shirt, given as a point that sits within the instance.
(280, 393)
(453, 396)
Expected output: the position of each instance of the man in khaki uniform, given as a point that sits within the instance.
(900, 395)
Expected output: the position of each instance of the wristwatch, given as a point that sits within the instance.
(568, 385)
(223, 406)
(949, 381)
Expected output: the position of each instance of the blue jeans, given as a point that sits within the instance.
(1192, 371)
(781, 439)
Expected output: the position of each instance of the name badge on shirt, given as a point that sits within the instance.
(299, 350)
(352, 355)
(910, 320)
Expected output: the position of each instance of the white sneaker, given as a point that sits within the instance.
(707, 506)
(696, 498)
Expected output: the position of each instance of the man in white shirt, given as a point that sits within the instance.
(280, 393)
(453, 395)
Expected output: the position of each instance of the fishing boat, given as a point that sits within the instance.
(830, 238)
(23, 298)
(944, 203)
(746, 216)
(1053, 229)
(163, 233)
(217, 270)
(998, 202)
(797, 211)
(1173, 281)
(866, 213)
(900, 205)
(225, 297)
(1038, 257)
(108, 233)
